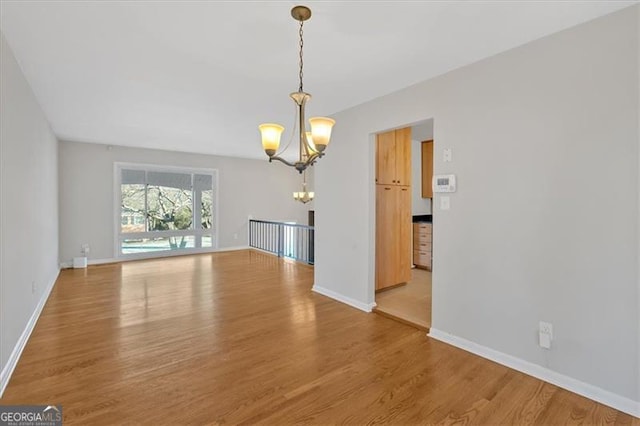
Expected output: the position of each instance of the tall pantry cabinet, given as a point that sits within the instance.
(393, 208)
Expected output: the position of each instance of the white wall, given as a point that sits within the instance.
(246, 187)
(29, 205)
(638, 229)
(555, 123)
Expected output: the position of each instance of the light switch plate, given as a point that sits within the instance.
(447, 155)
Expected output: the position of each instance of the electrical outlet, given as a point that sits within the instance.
(235, 236)
(545, 334)
(33, 287)
(546, 328)
(85, 249)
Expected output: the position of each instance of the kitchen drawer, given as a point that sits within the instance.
(422, 258)
(423, 228)
(422, 246)
(423, 238)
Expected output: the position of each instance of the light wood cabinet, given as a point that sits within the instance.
(422, 244)
(403, 157)
(427, 169)
(393, 208)
(393, 235)
(393, 157)
(404, 234)
(386, 158)
(387, 256)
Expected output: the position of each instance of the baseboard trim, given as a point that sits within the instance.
(66, 265)
(234, 248)
(343, 299)
(12, 362)
(595, 393)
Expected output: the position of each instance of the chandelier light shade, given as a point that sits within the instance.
(271, 134)
(311, 145)
(321, 132)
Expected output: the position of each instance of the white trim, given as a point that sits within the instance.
(372, 209)
(12, 362)
(344, 299)
(115, 207)
(168, 233)
(232, 248)
(595, 393)
(163, 167)
(156, 255)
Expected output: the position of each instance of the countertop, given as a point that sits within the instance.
(425, 218)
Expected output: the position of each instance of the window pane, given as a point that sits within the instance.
(169, 180)
(155, 202)
(146, 245)
(169, 208)
(132, 211)
(133, 176)
(206, 209)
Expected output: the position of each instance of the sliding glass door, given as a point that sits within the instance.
(162, 210)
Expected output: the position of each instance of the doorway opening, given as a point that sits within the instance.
(404, 223)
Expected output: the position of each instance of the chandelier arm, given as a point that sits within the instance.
(282, 160)
(304, 146)
(301, 150)
(313, 157)
(301, 166)
(293, 133)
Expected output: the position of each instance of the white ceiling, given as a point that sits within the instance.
(200, 76)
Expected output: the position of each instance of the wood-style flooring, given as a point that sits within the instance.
(410, 303)
(239, 338)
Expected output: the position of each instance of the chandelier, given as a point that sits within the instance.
(304, 196)
(311, 144)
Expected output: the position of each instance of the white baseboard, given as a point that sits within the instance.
(7, 371)
(595, 393)
(234, 248)
(65, 265)
(344, 299)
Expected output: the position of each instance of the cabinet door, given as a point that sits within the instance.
(404, 226)
(386, 158)
(386, 246)
(403, 156)
(427, 169)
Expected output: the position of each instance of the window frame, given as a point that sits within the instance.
(118, 236)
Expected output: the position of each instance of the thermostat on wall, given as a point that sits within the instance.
(444, 183)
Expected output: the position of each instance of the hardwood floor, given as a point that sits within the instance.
(410, 303)
(239, 338)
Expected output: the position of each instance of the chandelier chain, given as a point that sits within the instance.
(301, 61)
